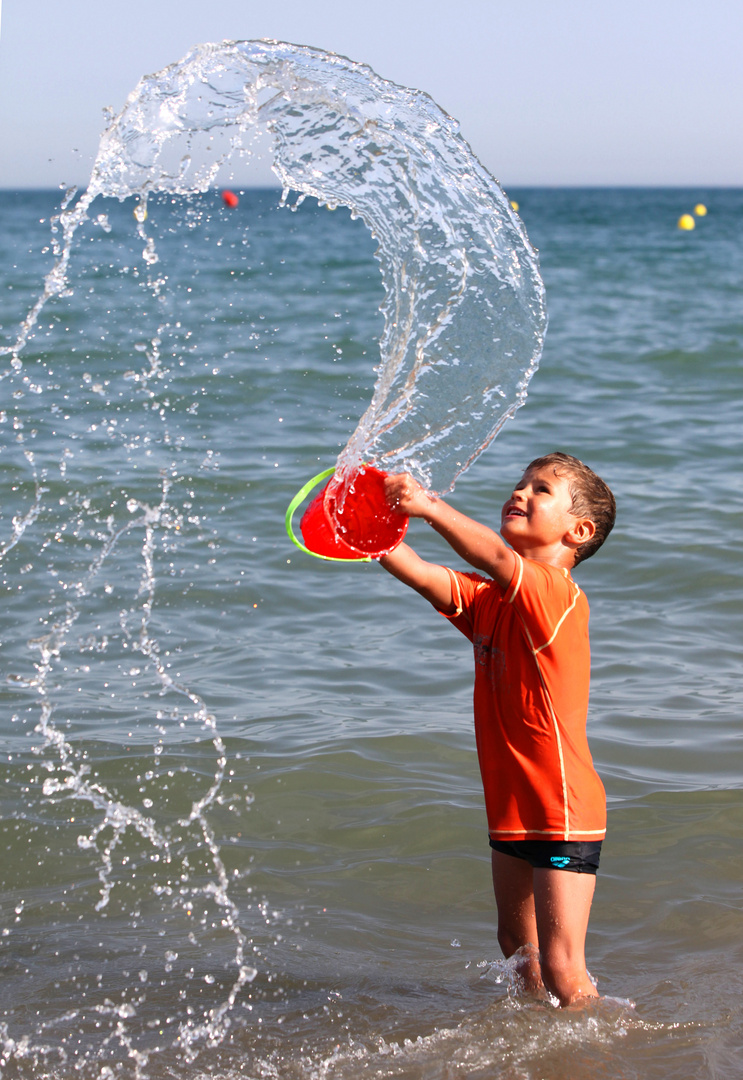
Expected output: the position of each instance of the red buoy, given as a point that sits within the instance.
(229, 198)
(350, 518)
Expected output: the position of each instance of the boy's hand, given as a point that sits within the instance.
(407, 496)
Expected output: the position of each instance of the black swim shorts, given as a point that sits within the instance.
(580, 856)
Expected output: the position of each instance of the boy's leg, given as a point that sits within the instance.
(513, 885)
(562, 902)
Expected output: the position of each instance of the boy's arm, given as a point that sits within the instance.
(475, 543)
(431, 581)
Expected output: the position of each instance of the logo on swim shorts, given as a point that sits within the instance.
(560, 861)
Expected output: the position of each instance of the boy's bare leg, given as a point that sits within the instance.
(513, 885)
(545, 913)
(562, 902)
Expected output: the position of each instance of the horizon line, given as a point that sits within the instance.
(634, 186)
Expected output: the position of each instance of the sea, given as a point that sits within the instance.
(242, 824)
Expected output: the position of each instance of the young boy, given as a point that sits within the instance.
(528, 623)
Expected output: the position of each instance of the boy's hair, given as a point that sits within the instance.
(591, 497)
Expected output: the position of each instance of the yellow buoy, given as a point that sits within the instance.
(686, 221)
(700, 210)
(514, 205)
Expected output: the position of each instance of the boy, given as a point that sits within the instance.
(528, 623)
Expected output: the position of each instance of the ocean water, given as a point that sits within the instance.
(242, 825)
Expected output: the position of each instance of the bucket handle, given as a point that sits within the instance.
(291, 510)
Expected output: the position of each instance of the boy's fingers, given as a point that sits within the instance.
(405, 494)
(396, 488)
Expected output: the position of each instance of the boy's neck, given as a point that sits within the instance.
(563, 557)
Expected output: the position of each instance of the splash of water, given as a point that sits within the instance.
(463, 326)
(464, 314)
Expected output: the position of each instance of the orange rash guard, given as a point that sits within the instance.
(532, 669)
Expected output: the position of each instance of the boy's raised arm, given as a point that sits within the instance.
(478, 545)
(431, 581)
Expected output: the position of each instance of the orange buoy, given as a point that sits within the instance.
(351, 519)
(229, 198)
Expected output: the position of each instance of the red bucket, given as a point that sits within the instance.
(350, 518)
(318, 533)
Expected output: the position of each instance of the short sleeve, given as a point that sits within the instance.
(464, 590)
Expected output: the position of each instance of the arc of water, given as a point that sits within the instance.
(464, 310)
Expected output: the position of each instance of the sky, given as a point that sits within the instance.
(547, 92)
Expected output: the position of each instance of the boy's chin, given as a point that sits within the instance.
(509, 534)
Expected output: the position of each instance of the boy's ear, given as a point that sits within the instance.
(580, 533)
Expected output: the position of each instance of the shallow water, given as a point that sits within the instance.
(270, 760)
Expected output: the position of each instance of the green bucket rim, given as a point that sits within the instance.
(292, 508)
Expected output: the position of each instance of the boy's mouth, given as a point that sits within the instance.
(513, 511)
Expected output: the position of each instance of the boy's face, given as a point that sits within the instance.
(538, 515)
